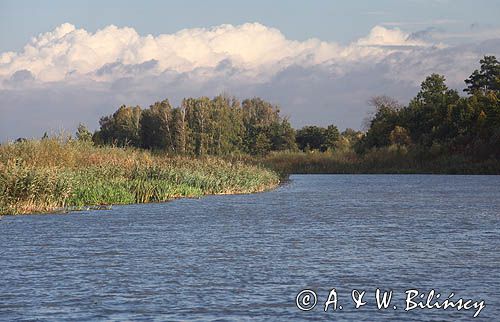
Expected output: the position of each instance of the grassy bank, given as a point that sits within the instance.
(385, 160)
(46, 175)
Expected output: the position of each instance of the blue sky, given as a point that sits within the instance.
(65, 62)
(340, 21)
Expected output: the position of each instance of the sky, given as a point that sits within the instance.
(65, 62)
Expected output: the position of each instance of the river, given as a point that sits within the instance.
(246, 257)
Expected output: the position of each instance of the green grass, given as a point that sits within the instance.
(47, 175)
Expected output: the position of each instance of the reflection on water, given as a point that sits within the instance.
(246, 257)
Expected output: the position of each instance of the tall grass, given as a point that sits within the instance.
(45, 175)
(384, 160)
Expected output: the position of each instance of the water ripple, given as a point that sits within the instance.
(246, 257)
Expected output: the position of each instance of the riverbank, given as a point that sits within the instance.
(39, 176)
(378, 161)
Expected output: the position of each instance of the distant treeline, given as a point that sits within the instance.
(438, 121)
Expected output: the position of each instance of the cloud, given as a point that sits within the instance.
(69, 75)
(381, 36)
(420, 23)
(67, 52)
(22, 76)
(475, 33)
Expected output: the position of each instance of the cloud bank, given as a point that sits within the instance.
(69, 75)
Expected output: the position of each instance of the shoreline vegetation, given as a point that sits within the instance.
(223, 145)
(56, 175)
(391, 160)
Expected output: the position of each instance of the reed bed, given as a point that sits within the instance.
(390, 160)
(48, 175)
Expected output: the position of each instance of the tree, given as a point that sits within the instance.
(332, 137)
(264, 126)
(487, 78)
(83, 134)
(198, 123)
(121, 128)
(432, 90)
(400, 136)
(348, 140)
(311, 137)
(156, 127)
(386, 117)
(262, 144)
(282, 136)
(439, 117)
(318, 138)
(351, 135)
(179, 130)
(427, 117)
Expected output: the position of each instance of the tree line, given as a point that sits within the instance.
(200, 126)
(437, 119)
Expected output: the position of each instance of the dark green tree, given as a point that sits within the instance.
(332, 137)
(428, 115)
(487, 78)
(311, 137)
(387, 116)
(198, 123)
(264, 128)
(121, 128)
(179, 130)
(156, 124)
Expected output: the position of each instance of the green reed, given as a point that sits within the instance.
(50, 174)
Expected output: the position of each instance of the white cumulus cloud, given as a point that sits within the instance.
(252, 47)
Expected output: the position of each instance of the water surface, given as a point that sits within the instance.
(246, 257)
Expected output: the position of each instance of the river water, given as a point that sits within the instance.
(246, 257)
